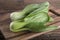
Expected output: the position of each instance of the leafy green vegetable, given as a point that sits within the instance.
(29, 8)
(24, 12)
(39, 15)
(33, 18)
(37, 19)
(39, 27)
(48, 28)
(16, 16)
(35, 26)
(17, 26)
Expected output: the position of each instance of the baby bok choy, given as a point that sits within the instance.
(24, 12)
(17, 26)
(35, 20)
(29, 8)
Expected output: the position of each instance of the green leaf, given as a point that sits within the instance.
(33, 17)
(39, 15)
(16, 26)
(50, 19)
(21, 14)
(29, 8)
(35, 26)
(49, 28)
(16, 16)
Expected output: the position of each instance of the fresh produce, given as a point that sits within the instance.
(38, 15)
(17, 26)
(29, 8)
(33, 18)
(24, 12)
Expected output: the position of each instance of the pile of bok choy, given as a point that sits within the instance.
(33, 18)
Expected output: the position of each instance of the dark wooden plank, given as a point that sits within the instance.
(11, 4)
(4, 16)
(2, 11)
(55, 3)
(19, 4)
(51, 14)
(57, 11)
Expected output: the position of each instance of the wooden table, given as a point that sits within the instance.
(6, 9)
